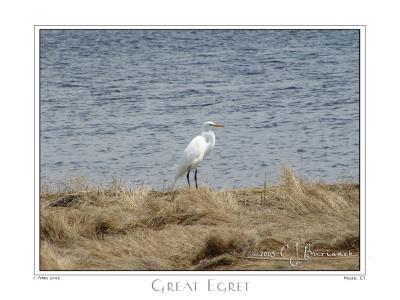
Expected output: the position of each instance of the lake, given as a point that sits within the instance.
(123, 104)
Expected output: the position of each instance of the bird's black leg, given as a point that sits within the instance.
(187, 176)
(195, 177)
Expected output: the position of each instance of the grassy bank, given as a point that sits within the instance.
(188, 229)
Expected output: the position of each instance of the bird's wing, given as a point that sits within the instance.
(194, 150)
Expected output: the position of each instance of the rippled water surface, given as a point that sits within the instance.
(124, 104)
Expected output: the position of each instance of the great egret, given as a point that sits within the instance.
(196, 151)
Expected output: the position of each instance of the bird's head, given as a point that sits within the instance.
(208, 125)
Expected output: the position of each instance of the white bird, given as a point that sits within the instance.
(196, 151)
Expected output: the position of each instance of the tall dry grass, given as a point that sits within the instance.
(119, 229)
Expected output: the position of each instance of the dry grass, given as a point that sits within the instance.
(118, 229)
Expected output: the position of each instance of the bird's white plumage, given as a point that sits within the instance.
(194, 153)
(199, 147)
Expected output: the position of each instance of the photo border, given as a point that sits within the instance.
(362, 156)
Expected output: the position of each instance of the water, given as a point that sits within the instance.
(125, 103)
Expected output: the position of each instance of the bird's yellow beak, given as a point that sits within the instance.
(217, 125)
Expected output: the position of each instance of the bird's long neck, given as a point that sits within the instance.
(210, 139)
(208, 134)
